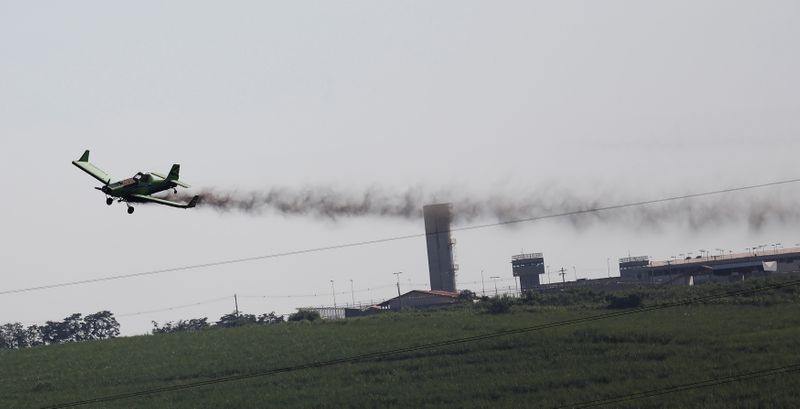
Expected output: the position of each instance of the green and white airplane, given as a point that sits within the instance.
(138, 188)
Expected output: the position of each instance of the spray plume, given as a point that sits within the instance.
(753, 210)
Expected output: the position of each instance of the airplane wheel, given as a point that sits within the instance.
(130, 209)
(109, 201)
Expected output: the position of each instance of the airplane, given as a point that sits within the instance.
(138, 188)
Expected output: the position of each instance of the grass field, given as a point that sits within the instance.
(542, 369)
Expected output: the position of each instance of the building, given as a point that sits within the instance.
(438, 218)
(420, 299)
(528, 267)
(709, 268)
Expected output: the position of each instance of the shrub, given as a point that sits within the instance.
(499, 305)
(628, 301)
(305, 315)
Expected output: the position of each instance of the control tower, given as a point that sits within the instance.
(440, 246)
(528, 267)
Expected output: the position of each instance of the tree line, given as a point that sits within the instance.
(234, 319)
(74, 328)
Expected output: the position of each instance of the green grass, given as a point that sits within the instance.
(541, 369)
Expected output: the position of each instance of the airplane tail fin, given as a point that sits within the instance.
(174, 172)
(193, 202)
(84, 157)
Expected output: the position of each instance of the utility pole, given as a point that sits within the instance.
(333, 291)
(494, 278)
(352, 293)
(563, 273)
(608, 264)
(236, 305)
(398, 281)
(483, 286)
(399, 299)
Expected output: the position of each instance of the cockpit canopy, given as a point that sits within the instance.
(141, 177)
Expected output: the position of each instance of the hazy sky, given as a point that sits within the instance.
(563, 100)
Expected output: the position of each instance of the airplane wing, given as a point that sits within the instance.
(92, 170)
(177, 182)
(151, 199)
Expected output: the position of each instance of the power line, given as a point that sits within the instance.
(312, 295)
(432, 345)
(395, 238)
(177, 307)
(685, 387)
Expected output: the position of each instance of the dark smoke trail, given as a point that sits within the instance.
(719, 210)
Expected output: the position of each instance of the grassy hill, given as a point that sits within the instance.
(546, 368)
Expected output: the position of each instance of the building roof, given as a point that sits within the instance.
(437, 293)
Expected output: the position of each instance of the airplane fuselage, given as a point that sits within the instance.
(141, 184)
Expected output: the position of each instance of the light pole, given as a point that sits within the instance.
(494, 278)
(333, 291)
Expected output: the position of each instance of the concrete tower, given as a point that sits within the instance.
(440, 246)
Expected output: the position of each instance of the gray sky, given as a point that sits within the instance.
(616, 100)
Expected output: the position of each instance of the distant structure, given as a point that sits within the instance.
(438, 218)
(528, 267)
(709, 268)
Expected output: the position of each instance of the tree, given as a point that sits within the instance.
(52, 333)
(73, 329)
(270, 318)
(194, 324)
(13, 336)
(34, 336)
(235, 319)
(100, 325)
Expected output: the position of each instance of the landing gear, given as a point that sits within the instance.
(109, 201)
(130, 209)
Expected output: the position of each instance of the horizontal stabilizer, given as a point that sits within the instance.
(175, 182)
(95, 172)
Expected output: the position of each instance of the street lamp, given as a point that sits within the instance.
(333, 291)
